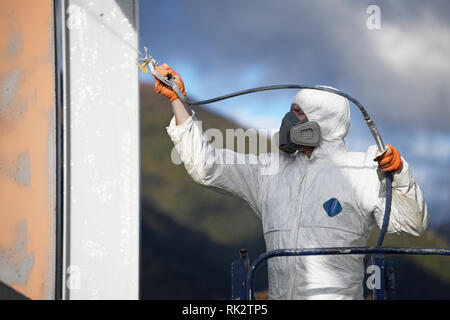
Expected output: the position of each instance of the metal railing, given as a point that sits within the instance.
(243, 274)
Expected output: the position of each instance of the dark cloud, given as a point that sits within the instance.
(320, 42)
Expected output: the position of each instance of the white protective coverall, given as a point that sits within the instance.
(290, 200)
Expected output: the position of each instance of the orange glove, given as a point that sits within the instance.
(161, 88)
(390, 160)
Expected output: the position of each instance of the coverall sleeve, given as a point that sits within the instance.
(222, 170)
(409, 214)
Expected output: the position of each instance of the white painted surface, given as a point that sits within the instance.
(102, 141)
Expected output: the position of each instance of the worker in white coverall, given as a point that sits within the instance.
(291, 202)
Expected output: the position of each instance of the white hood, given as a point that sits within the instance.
(329, 110)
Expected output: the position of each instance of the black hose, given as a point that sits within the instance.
(279, 87)
(366, 116)
(387, 209)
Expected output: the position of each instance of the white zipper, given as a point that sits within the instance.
(297, 232)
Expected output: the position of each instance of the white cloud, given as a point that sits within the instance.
(425, 47)
(245, 116)
(428, 146)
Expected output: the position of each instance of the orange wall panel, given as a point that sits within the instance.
(27, 147)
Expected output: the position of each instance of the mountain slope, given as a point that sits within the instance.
(181, 263)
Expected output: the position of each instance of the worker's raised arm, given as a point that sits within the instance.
(222, 169)
(180, 111)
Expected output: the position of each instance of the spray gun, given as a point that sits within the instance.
(148, 60)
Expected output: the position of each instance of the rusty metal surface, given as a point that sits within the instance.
(27, 147)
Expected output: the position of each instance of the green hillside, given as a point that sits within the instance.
(191, 235)
(170, 189)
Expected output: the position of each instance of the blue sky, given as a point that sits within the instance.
(400, 73)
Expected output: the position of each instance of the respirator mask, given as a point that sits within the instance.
(295, 133)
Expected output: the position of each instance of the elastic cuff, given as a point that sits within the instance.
(176, 131)
(402, 178)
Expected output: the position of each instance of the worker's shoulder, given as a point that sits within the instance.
(274, 162)
(365, 159)
(275, 156)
